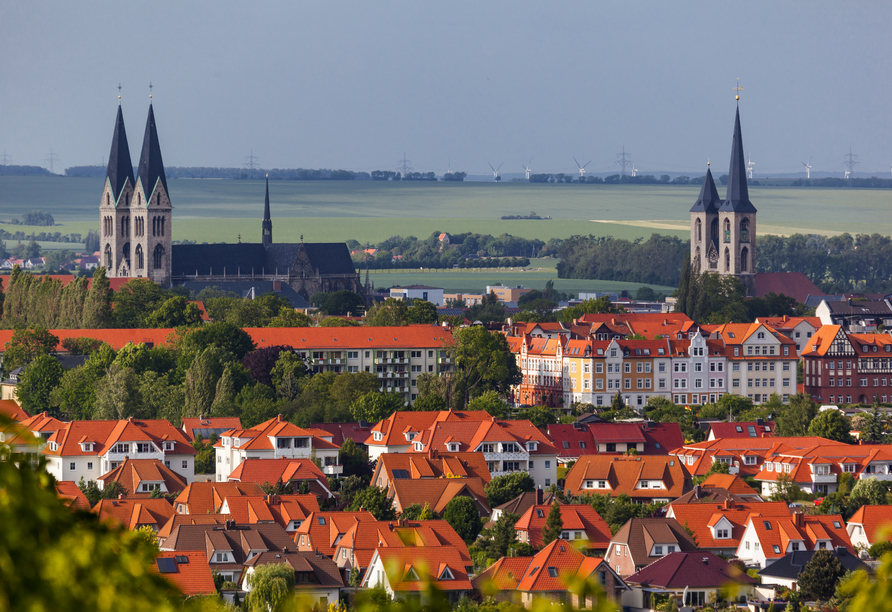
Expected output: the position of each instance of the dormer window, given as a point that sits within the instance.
(168, 446)
(510, 447)
(87, 447)
(377, 436)
(419, 446)
(531, 446)
(237, 442)
(411, 436)
(122, 448)
(453, 447)
(53, 446)
(446, 574)
(722, 534)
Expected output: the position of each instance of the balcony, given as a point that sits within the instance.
(331, 361)
(332, 470)
(444, 360)
(823, 478)
(501, 472)
(391, 360)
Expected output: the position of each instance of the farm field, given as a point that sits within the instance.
(369, 211)
(539, 272)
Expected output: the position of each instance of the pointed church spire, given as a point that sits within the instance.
(737, 198)
(151, 166)
(709, 200)
(267, 224)
(120, 168)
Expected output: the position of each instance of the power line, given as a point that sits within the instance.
(850, 162)
(252, 162)
(51, 159)
(403, 165)
(624, 160)
(6, 158)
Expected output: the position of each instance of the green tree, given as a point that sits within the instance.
(354, 460)
(389, 313)
(289, 317)
(134, 302)
(26, 345)
(831, 424)
(718, 467)
(225, 335)
(431, 402)
(337, 322)
(417, 512)
(462, 514)
(97, 305)
(496, 541)
(37, 382)
(540, 416)
(174, 312)
(602, 304)
(786, 489)
(554, 525)
(491, 402)
(503, 489)
(375, 500)
(617, 404)
(117, 394)
(202, 378)
(75, 396)
(206, 459)
(483, 362)
(270, 584)
(350, 486)
(422, 311)
(819, 577)
(869, 491)
(795, 420)
(374, 406)
(287, 374)
(339, 303)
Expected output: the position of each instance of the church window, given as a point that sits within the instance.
(745, 230)
(108, 257)
(140, 260)
(162, 226)
(714, 230)
(158, 256)
(699, 229)
(697, 257)
(727, 260)
(744, 256)
(727, 229)
(107, 200)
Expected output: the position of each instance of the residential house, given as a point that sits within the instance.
(552, 575)
(769, 538)
(289, 511)
(404, 572)
(641, 541)
(89, 449)
(645, 478)
(354, 552)
(135, 513)
(870, 525)
(713, 495)
(785, 571)
(751, 429)
(718, 528)
(316, 577)
(694, 579)
(209, 426)
(189, 519)
(296, 472)
(322, 531)
(540, 362)
(228, 546)
(11, 409)
(846, 368)
(144, 476)
(507, 295)
(699, 369)
(854, 315)
(507, 446)
(437, 493)
(396, 433)
(71, 495)
(273, 439)
(188, 571)
(207, 497)
(435, 464)
(520, 504)
(733, 484)
(797, 329)
(434, 295)
(582, 526)
(358, 432)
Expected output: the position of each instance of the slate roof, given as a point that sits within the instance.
(240, 539)
(120, 168)
(791, 565)
(848, 307)
(689, 569)
(192, 577)
(249, 288)
(709, 200)
(151, 166)
(523, 502)
(737, 198)
(324, 569)
(244, 258)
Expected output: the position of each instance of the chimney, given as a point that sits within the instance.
(797, 519)
(120, 496)
(726, 505)
(697, 492)
(539, 496)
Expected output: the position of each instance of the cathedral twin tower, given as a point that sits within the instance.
(135, 212)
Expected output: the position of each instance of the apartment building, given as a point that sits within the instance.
(845, 368)
(699, 372)
(797, 329)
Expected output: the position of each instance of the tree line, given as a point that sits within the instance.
(256, 174)
(655, 261)
(465, 250)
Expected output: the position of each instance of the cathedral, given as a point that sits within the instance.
(136, 228)
(723, 232)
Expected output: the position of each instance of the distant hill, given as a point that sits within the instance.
(24, 171)
(276, 174)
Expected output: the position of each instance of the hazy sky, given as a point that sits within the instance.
(355, 84)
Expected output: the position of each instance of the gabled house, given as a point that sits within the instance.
(718, 528)
(582, 526)
(435, 464)
(437, 493)
(396, 433)
(189, 519)
(188, 571)
(316, 577)
(643, 478)
(785, 571)
(289, 511)
(356, 549)
(323, 531)
(692, 578)
(403, 572)
(135, 513)
(550, 575)
(290, 471)
(751, 429)
(71, 495)
(89, 449)
(273, 439)
(641, 541)
(207, 497)
(733, 484)
(769, 538)
(144, 476)
(520, 504)
(869, 525)
(208, 426)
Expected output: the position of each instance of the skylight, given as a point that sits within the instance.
(552, 571)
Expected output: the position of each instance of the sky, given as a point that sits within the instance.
(459, 84)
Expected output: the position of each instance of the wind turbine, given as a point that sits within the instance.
(527, 168)
(581, 168)
(749, 166)
(495, 172)
(808, 168)
(634, 170)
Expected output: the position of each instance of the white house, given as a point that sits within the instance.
(433, 295)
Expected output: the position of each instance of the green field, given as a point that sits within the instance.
(369, 211)
(535, 276)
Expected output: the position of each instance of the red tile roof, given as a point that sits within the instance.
(808, 529)
(105, 434)
(623, 475)
(793, 284)
(437, 492)
(401, 422)
(730, 482)
(876, 522)
(71, 495)
(575, 517)
(560, 556)
(270, 471)
(322, 530)
(192, 577)
(207, 497)
(742, 430)
(364, 538)
(678, 570)
(430, 465)
(190, 425)
(135, 513)
(282, 509)
(133, 472)
(428, 564)
(11, 409)
(342, 431)
(700, 517)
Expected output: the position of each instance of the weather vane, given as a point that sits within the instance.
(119, 93)
(150, 90)
(738, 89)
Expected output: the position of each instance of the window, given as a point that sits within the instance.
(795, 546)
(611, 447)
(283, 442)
(547, 465)
(71, 466)
(658, 550)
(185, 465)
(122, 448)
(143, 448)
(89, 465)
(776, 549)
(722, 534)
(552, 571)
(602, 484)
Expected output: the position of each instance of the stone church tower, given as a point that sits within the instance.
(136, 213)
(723, 233)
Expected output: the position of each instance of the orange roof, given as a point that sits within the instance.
(729, 482)
(575, 517)
(135, 513)
(258, 437)
(282, 509)
(364, 538)
(431, 465)
(11, 409)
(401, 422)
(503, 575)
(133, 472)
(190, 425)
(437, 492)
(270, 471)
(192, 577)
(470, 435)
(207, 497)
(71, 495)
(623, 475)
(409, 569)
(105, 434)
(551, 568)
(876, 522)
(702, 517)
(808, 529)
(322, 530)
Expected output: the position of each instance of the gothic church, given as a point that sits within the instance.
(136, 228)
